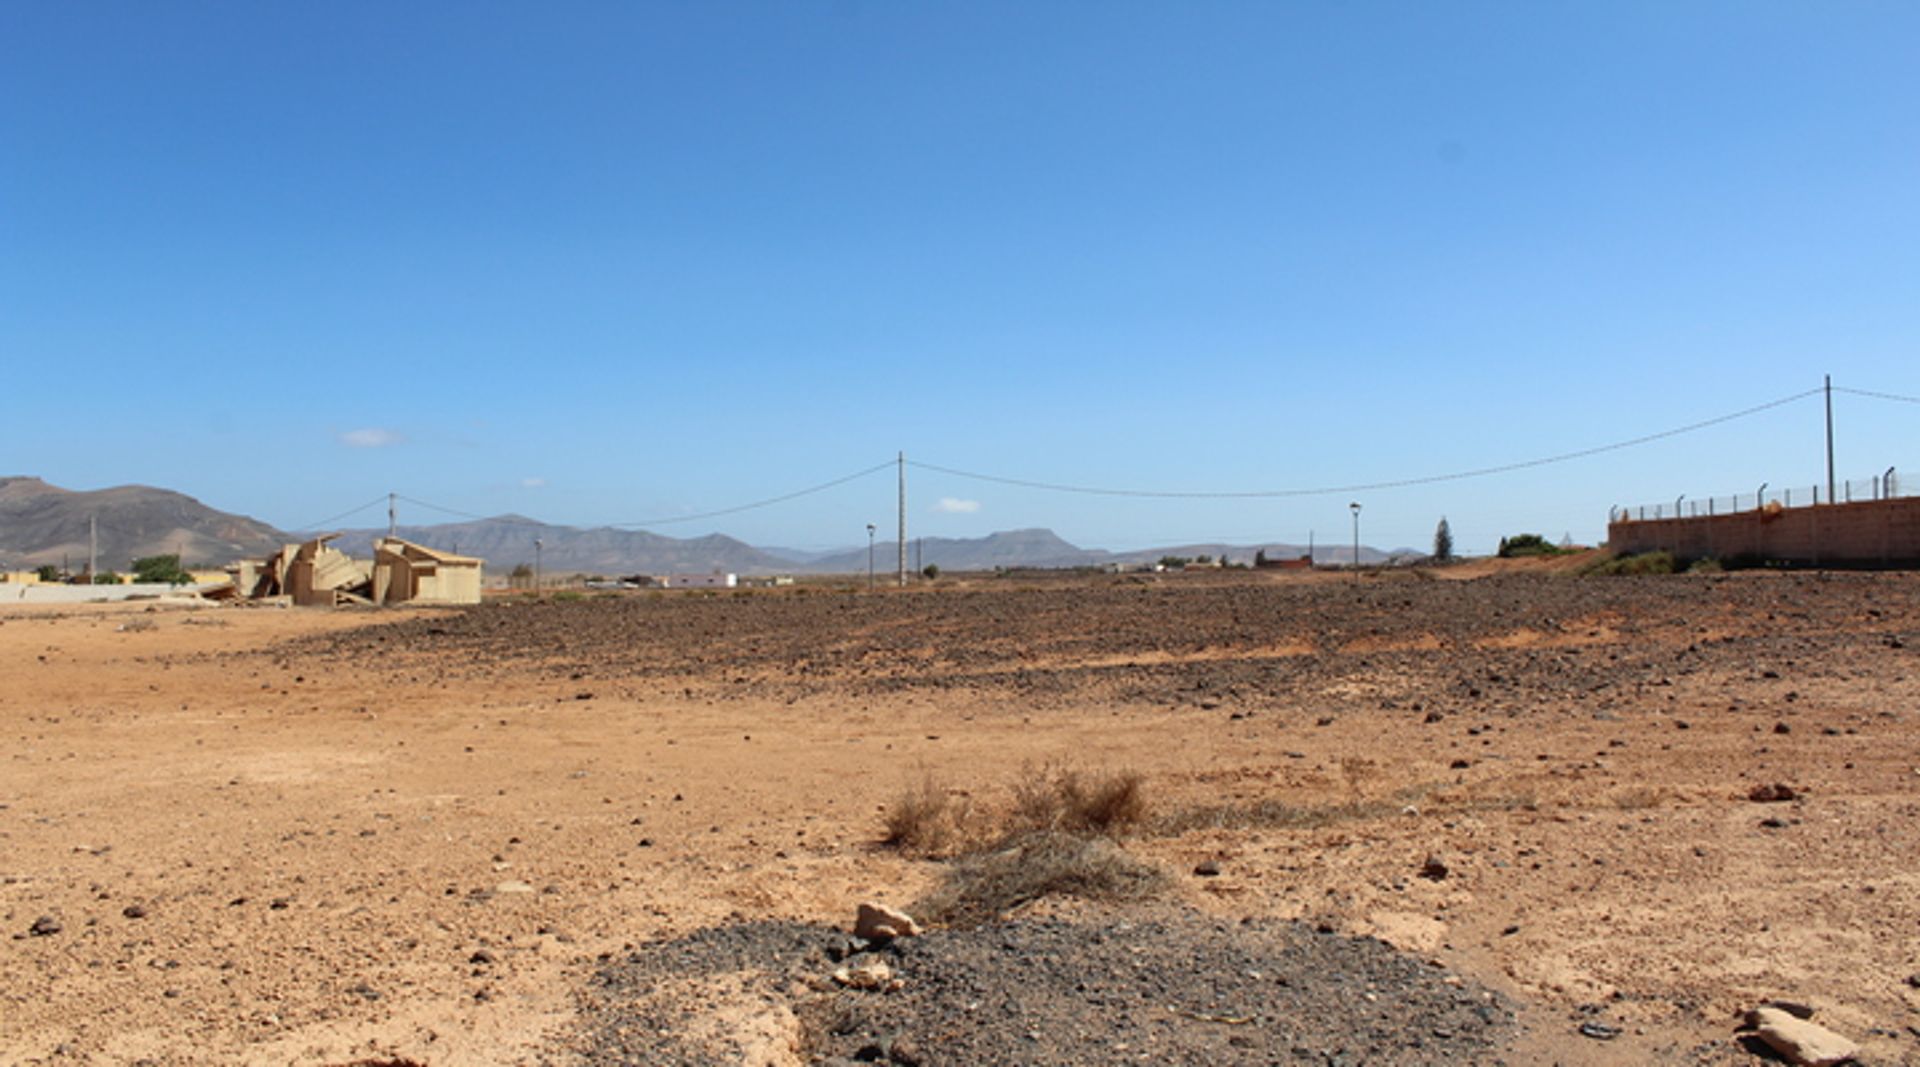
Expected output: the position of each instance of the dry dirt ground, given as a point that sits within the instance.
(463, 837)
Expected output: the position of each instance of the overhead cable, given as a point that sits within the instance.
(875, 469)
(324, 523)
(1878, 396)
(1400, 483)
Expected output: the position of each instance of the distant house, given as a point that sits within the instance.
(716, 580)
(1298, 563)
(404, 572)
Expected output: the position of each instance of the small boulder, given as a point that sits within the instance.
(1435, 868)
(44, 926)
(1772, 793)
(877, 922)
(873, 974)
(1807, 1044)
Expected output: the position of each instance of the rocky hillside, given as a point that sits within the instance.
(42, 523)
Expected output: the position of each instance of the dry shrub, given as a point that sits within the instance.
(1039, 864)
(1053, 798)
(1054, 838)
(926, 821)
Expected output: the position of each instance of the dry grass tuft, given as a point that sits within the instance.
(1053, 798)
(928, 820)
(1053, 837)
(983, 886)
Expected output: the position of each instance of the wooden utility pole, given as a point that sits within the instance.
(902, 576)
(1831, 498)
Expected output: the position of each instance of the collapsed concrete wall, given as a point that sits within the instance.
(1868, 533)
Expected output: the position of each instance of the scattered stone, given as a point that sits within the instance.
(904, 1052)
(44, 926)
(1773, 823)
(877, 922)
(481, 957)
(1771, 793)
(1913, 981)
(1599, 1031)
(134, 911)
(1434, 868)
(1207, 869)
(513, 887)
(1799, 1041)
(871, 975)
(1782, 728)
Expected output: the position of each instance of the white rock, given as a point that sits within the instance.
(1806, 1043)
(873, 974)
(513, 887)
(877, 922)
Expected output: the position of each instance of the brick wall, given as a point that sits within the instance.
(1870, 533)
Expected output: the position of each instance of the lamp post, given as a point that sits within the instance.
(1355, 507)
(869, 557)
(536, 566)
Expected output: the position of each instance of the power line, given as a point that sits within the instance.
(1878, 396)
(324, 523)
(782, 498)
(1400, 483)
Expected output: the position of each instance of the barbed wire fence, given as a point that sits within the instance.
(1886, 485)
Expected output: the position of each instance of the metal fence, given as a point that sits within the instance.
(1883, 486)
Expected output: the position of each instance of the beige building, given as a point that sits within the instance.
(404, 572)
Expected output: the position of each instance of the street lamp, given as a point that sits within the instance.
(536, 566)
(1355, 506)
(869, 557)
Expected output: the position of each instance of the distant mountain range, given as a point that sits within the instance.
(41, 523)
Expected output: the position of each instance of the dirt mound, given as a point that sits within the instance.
(1161, 987)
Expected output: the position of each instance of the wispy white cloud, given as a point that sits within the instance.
(533, 483)
(956, 506)
(371, 437)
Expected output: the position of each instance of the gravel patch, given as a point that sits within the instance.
(1163, 987)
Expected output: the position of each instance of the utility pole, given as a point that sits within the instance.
(536, 566)
(1831, 499)
(93, 546)
(390, 511)
(870, 529)
(903, 519)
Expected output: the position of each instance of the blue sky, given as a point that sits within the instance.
(608, 262)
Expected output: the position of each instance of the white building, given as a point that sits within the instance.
(715, 580)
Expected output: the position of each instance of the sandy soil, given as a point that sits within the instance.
(272, 836)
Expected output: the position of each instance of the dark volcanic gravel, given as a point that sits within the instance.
(1459, 646)
(1170, 988)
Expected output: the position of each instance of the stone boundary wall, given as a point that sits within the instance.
(1868, 533)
